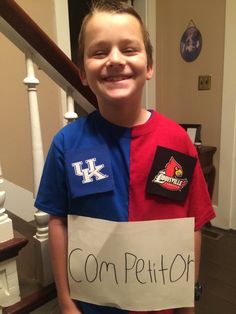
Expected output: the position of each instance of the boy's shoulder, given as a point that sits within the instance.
(71, 131)
(170, 125)
(173, 135)
(77, 124)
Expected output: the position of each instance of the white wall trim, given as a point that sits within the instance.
(233, 212)
(147, 10)
(63, 42)
(152, 25)
(226, 213)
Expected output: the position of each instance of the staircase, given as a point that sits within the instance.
(26, 281)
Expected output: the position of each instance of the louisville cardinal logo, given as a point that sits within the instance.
(170, 178)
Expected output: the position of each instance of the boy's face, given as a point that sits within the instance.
(115, 60)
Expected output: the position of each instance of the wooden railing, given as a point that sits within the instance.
(28, 36)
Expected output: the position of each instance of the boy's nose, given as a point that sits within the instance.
(115, 58)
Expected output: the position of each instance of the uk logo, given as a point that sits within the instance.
(90, 173)
(170, 177)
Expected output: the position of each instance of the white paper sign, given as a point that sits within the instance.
(139, 266)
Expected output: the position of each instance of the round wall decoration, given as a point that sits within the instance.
(191, 43)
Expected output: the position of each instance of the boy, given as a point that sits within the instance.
(115, 60)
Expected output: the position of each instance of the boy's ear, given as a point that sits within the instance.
(149, 72)
(83, 78)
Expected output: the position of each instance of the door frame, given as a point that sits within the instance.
(148, 11)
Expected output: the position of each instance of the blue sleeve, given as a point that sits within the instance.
(52, 196)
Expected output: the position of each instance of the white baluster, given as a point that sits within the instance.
(43, 270)
(70, 115)
(6, 229)
(37, 147)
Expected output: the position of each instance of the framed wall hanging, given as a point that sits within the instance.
(194, 131)
(191, 43)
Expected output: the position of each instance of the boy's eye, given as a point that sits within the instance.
(130, 51)
(99, 54)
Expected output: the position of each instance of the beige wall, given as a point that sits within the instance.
(177, 92)
(15, 140)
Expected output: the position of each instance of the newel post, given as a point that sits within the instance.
(43, 269)
(6, 229)
(9, 283)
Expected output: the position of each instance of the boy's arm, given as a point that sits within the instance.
(58, 251)
(197, 251)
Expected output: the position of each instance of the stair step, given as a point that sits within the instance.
(33, 302)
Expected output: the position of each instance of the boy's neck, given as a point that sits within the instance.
(125, 116)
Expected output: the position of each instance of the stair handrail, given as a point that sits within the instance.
(16, 24)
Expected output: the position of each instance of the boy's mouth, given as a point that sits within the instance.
(116, 78)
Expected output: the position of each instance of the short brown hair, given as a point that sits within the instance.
(115, 7)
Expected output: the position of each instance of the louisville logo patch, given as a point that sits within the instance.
(170, 177)
(170, 174)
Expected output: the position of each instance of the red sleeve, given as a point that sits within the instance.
(200, 205)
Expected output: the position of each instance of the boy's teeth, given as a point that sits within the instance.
(115, 78)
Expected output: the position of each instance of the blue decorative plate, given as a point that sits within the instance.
(191, 44)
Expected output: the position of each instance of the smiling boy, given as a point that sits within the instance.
(101, 166)
(116, 67)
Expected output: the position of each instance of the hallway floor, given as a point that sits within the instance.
(218, 272)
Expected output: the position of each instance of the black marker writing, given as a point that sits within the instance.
(135, 269)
